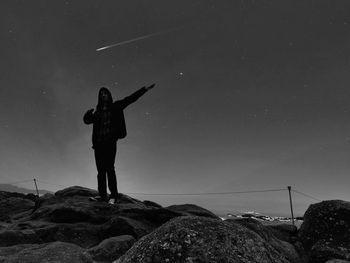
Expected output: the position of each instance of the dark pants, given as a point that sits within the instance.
(105, 157)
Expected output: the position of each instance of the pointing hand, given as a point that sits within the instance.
(151, 87)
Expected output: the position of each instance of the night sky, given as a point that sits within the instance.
(250, 95)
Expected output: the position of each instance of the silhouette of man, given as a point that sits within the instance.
(108, 126)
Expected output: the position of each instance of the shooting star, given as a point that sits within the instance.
(136, 39)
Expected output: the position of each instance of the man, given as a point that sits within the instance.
(108, 126)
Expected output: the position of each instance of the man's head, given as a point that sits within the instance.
(104, 96)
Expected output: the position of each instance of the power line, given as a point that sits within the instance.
(51, 183)
(23, 181)
(213, 193)
(9, 177)
(306, 195)
(191, 194)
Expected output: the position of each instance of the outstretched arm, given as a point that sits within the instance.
(89, 117)
(133, 97)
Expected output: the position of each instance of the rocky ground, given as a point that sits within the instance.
(67, 227)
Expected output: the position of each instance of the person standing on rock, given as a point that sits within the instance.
(108, 126)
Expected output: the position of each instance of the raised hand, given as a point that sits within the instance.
(151, 87)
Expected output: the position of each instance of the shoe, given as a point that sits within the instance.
(112, 201)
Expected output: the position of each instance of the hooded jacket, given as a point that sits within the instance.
(118, 127)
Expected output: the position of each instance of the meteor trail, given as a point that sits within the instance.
(135, 39)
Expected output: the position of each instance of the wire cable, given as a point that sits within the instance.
(23, 181)
(189, 194)
(214, 193)
(301, 193)
(51, 183)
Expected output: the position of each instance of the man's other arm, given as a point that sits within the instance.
(89, 117)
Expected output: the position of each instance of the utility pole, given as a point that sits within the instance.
(291, 204)
(36, 187)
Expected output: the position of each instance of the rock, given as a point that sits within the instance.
(323, 251)
(325, 232)
(82, 234)
(285, 232)
(125, 199)
(79, 230)
(337, 261)
(111, 248)
(284, 247)
(75, 191)
(155, 216)
(13, 204)
(69, 216)
(120, 225)
(14, 237)
(192, 210)
(4, 195)
(55, 252)
(152, 204)
(72, 209)
(202, 239)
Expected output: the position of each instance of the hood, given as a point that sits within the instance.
(110, 99)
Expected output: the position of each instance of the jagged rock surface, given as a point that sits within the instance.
(271, 237)
(325, 232)
(70, 228)
(69, 216)
(202, 239)
(111, 249)
(55, 252)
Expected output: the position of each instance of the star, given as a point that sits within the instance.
(181, 73)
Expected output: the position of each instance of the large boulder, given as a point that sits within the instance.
(55, 252)
(325, 232)
(202, 239)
